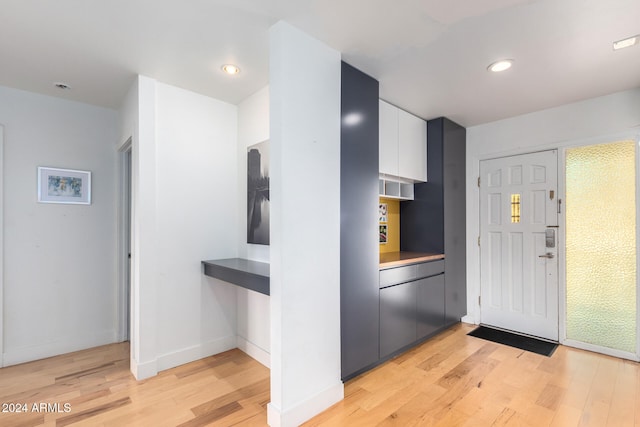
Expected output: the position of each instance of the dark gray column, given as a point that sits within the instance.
(454, 172)
(359, 258)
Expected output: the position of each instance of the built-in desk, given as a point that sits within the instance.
(248, 274)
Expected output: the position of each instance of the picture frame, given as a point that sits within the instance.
(258, 205)
(382, 212)
(67, 186)
(383, 233)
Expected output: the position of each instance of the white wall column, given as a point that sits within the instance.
(305, 226)
(143, 251)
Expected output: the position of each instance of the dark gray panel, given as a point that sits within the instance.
(359, 261)
(248, 274)
(432, 268)
(429, 305)
(394, 276)
(455, 220)
(397, 317)
(422, 219)
(435, 220)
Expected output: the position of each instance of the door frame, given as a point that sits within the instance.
(122, 255)
(473, 227)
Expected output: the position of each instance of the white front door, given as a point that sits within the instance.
(518, 243)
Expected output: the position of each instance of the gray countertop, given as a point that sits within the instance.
(253, 275)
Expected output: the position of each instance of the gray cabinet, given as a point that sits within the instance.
(434, 221)
(455, 238)
(397, 317)
(359, 257)
(430, 305)
(412, 304)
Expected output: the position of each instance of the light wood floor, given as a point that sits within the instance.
(451, 380)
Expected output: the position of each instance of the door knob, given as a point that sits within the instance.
(547, 255)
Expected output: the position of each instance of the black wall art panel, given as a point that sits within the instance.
(258, 193)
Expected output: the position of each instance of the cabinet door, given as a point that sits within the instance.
(388, 138)
(412, 147)
(397, 317)
(429, 305)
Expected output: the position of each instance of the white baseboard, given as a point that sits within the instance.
(254, 351)
(63, 345)
(306, 410)
(196, 352)
(142, 371)
(468, 319)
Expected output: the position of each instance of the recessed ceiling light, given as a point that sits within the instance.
(230, 69)
(628, 42)
(503, 64)
(62, 86)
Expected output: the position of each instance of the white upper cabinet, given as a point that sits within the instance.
(388, 147)
(403, 144)
(412, 147)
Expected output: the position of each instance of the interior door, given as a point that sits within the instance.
(518, 243)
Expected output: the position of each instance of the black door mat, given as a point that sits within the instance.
(533, 345)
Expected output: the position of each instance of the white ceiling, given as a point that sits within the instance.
(430, 56)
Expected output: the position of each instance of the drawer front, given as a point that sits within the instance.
(432, 268)
(397, 317)
(429, 305)
(393, 276)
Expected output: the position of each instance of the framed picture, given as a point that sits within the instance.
(258, 193)
(383, 233)
(64, 186)
(382, 212)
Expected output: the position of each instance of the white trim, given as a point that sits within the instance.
(193, 353)
(65, 345)
(142, 371)
(562, 246)
(602, 350)
(2, 362)
(469, 319)
(254, 351)
(305, 410)
(121, 245)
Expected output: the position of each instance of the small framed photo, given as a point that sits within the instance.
(382, 211)
(64, 186)
(383, 233)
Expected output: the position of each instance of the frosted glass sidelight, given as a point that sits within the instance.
(601, 245)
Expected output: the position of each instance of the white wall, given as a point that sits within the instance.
(196, 220)
(305, 226)
(253, 313)
(128, 121)
(59, 260)
(184, 173)
(140, 109)
(593, 120)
